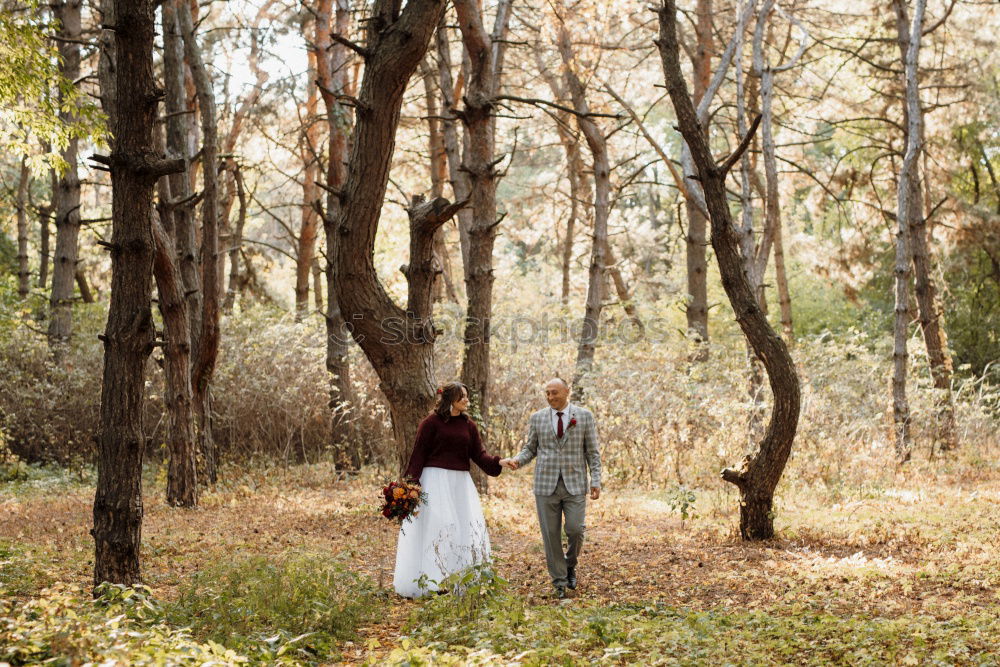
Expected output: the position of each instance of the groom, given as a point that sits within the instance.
(564, 438)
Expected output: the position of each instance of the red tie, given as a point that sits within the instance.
(559, 428)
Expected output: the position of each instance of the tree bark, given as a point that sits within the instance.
(580, 190)
(236, 240)
(44, 251)
(332, 73)
(696, 250)
(309, 227)
(928, 307)
(908, 207)
(485, 53)
(129, 335)
(461, 184)
(399, 343)
(21, 203)
(86, 295)
(178, 124)
(444, 285)
(748, 242)
(317, 275)
(203, 365)
(602, 194)
(621, 288)
(182, 472)
(66, 195)
(760, 472)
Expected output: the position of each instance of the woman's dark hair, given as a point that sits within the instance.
(447, 395)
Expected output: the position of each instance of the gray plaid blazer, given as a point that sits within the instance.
(570, 456)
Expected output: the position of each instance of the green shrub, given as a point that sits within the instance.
(479, 609)
(63, 626)
(298, 606)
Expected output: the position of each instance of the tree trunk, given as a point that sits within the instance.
(317, 275)
(444, 283)
(397, 41)
(309, 153)
(236, 240)
(23, 268)
(772, 210)
(203, 365)
(578, 185)
(781, 279)
(928, 308)
(332, 72)
(696, 251)
(485, 56)
(621, 288)
(44, 252)
(580, 191)
(86, 295)
(908, 207)
(178, 136)
(182, 472)
(461, 184)
(602, 195)
(748, 242)
(129, 335)
(67, 193)
(760, 472)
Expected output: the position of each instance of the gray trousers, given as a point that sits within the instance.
(550, 519)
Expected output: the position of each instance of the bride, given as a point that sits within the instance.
(448, 534)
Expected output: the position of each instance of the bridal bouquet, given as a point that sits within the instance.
(401, 499)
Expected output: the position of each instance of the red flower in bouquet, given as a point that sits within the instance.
(401, 499)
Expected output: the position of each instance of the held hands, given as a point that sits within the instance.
(510, 464)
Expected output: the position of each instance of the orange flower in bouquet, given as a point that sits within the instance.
(400, 500)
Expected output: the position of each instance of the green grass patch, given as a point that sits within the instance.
(298, 605)
(17, 575)
(576, 633)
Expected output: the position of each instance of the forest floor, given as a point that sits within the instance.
(905, 573)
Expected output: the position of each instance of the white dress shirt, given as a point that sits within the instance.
(555, 418)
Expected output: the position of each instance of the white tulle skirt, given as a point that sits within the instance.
(447, 536)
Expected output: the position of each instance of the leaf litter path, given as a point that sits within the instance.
(933, 551)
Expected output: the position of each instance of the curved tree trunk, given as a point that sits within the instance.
(399, 343)
(129, 335)
(760, 472)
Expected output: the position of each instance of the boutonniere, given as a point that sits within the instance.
(572, 423)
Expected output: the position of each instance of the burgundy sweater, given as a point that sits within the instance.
(449, 443)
